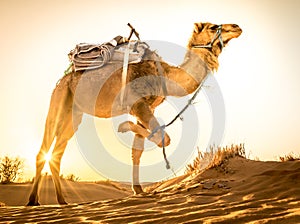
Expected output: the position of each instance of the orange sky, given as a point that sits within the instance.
(258, 72)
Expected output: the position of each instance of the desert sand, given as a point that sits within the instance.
(238, 191)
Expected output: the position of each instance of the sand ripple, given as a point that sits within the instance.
(269, 194)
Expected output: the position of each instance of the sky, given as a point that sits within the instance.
(258, 74)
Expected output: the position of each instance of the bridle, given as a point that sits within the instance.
(218, 35)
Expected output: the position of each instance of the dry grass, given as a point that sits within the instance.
(215, 157)
(72, 177)
(289, 157)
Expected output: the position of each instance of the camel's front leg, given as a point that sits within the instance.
(148, 123)
(137, 150)
(138, 129)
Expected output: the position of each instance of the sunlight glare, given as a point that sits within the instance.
(47, 157)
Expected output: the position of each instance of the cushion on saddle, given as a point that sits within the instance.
(92, 56)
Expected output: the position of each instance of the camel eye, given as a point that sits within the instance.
(214, 27)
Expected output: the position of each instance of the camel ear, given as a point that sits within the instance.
(198, 27)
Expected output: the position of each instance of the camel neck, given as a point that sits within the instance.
(195, 65)
(186, 78)
(208, 56)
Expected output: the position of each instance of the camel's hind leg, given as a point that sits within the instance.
(40, 162)
(60, 111)
(65, 132)
(60, 96)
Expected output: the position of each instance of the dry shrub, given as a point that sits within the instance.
(72, 177)
(215, 157)
(201, 161)
(289, 157)
(10, 169)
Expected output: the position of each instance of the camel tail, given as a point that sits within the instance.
(60, 102)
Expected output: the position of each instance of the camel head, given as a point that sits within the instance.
(213, 37)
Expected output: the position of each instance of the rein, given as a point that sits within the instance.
(218, 35)
(163, 127)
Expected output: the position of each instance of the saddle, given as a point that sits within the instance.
(92, 56)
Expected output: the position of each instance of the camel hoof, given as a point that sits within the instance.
(125, 126)
(33, 203)
(137, 189)
(62, 202)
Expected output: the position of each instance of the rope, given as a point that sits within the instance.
(124, 71)
(82, 60)
(163, 127)
(105, 54)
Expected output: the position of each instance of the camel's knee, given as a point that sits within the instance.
(136, 160)
(157, 138)
(137, 129)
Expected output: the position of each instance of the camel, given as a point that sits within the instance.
(98, 94)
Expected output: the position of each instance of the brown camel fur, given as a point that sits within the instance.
(97, 92)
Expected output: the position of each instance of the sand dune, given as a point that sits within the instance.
(75, 192)
(241, 191)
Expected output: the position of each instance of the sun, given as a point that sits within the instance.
(47, 157)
